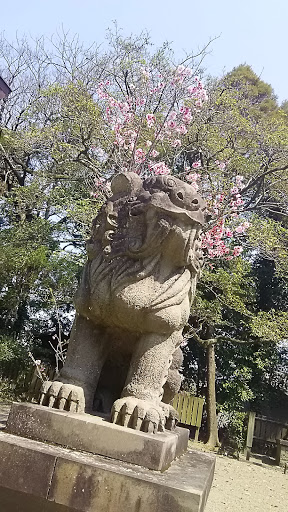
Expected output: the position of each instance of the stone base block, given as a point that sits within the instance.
(94, 434)
(38, 477)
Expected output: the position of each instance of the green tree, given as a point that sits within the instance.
(231, 317)
(59, 148)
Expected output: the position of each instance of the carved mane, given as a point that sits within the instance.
(116, 230)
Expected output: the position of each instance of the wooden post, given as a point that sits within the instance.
(250, 433)
(33, 382)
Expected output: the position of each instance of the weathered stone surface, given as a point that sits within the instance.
(134, 299)
(91, 483)
(95, 435)
(25, 470)
(15, 501)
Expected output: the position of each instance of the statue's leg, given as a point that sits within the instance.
(75, 387)
(140, 406)
(174, 378)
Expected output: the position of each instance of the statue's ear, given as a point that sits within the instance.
(126, 184)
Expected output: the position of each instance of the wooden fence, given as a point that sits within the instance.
(263, 431)
(17, 376)
(190, 410)
(25, 380)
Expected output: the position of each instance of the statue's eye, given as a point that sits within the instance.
(180, 195)
(195, 201)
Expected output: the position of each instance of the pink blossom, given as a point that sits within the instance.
(129, 117)
(192, 176)
(181, 129)
(203, 95)
(159, 168)
(182, 72)
(196, 165)
(187, 118)
(221, 165)
(242, 227)
(185, 110)
(150, 118)
(159, 136)
(171, 124)
(176, 143)
(234, 190)
(172, 115)
(237, 250)
(145, 73)
(132, 135)
(154, 153)
(120, 141)
(180, 69)
(148, 143)
(192, 90)
(139, 156)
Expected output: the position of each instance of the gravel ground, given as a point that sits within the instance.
(240, 486)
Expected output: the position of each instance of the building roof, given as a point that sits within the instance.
(4, 89)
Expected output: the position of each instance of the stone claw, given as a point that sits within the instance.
(138, 414)
(62, 396)
(171, 416)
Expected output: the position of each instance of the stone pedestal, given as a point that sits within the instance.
(93, 434)
(37, 476)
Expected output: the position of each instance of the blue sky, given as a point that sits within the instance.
(252, 31)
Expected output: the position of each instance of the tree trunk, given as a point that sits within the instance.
(212, 440)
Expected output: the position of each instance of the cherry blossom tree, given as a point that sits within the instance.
(76, 116)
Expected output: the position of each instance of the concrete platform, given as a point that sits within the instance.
(94, 434)
(37, 477)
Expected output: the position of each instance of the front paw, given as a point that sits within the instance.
(138, 414)
(171, 416)
(65, 397)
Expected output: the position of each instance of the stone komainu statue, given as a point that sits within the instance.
(132, 304)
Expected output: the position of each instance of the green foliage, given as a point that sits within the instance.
(13, 358)
(271, 325)
(233, 425)
(259, 92)
(52, 129)
(11, 351)
(270, 238)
